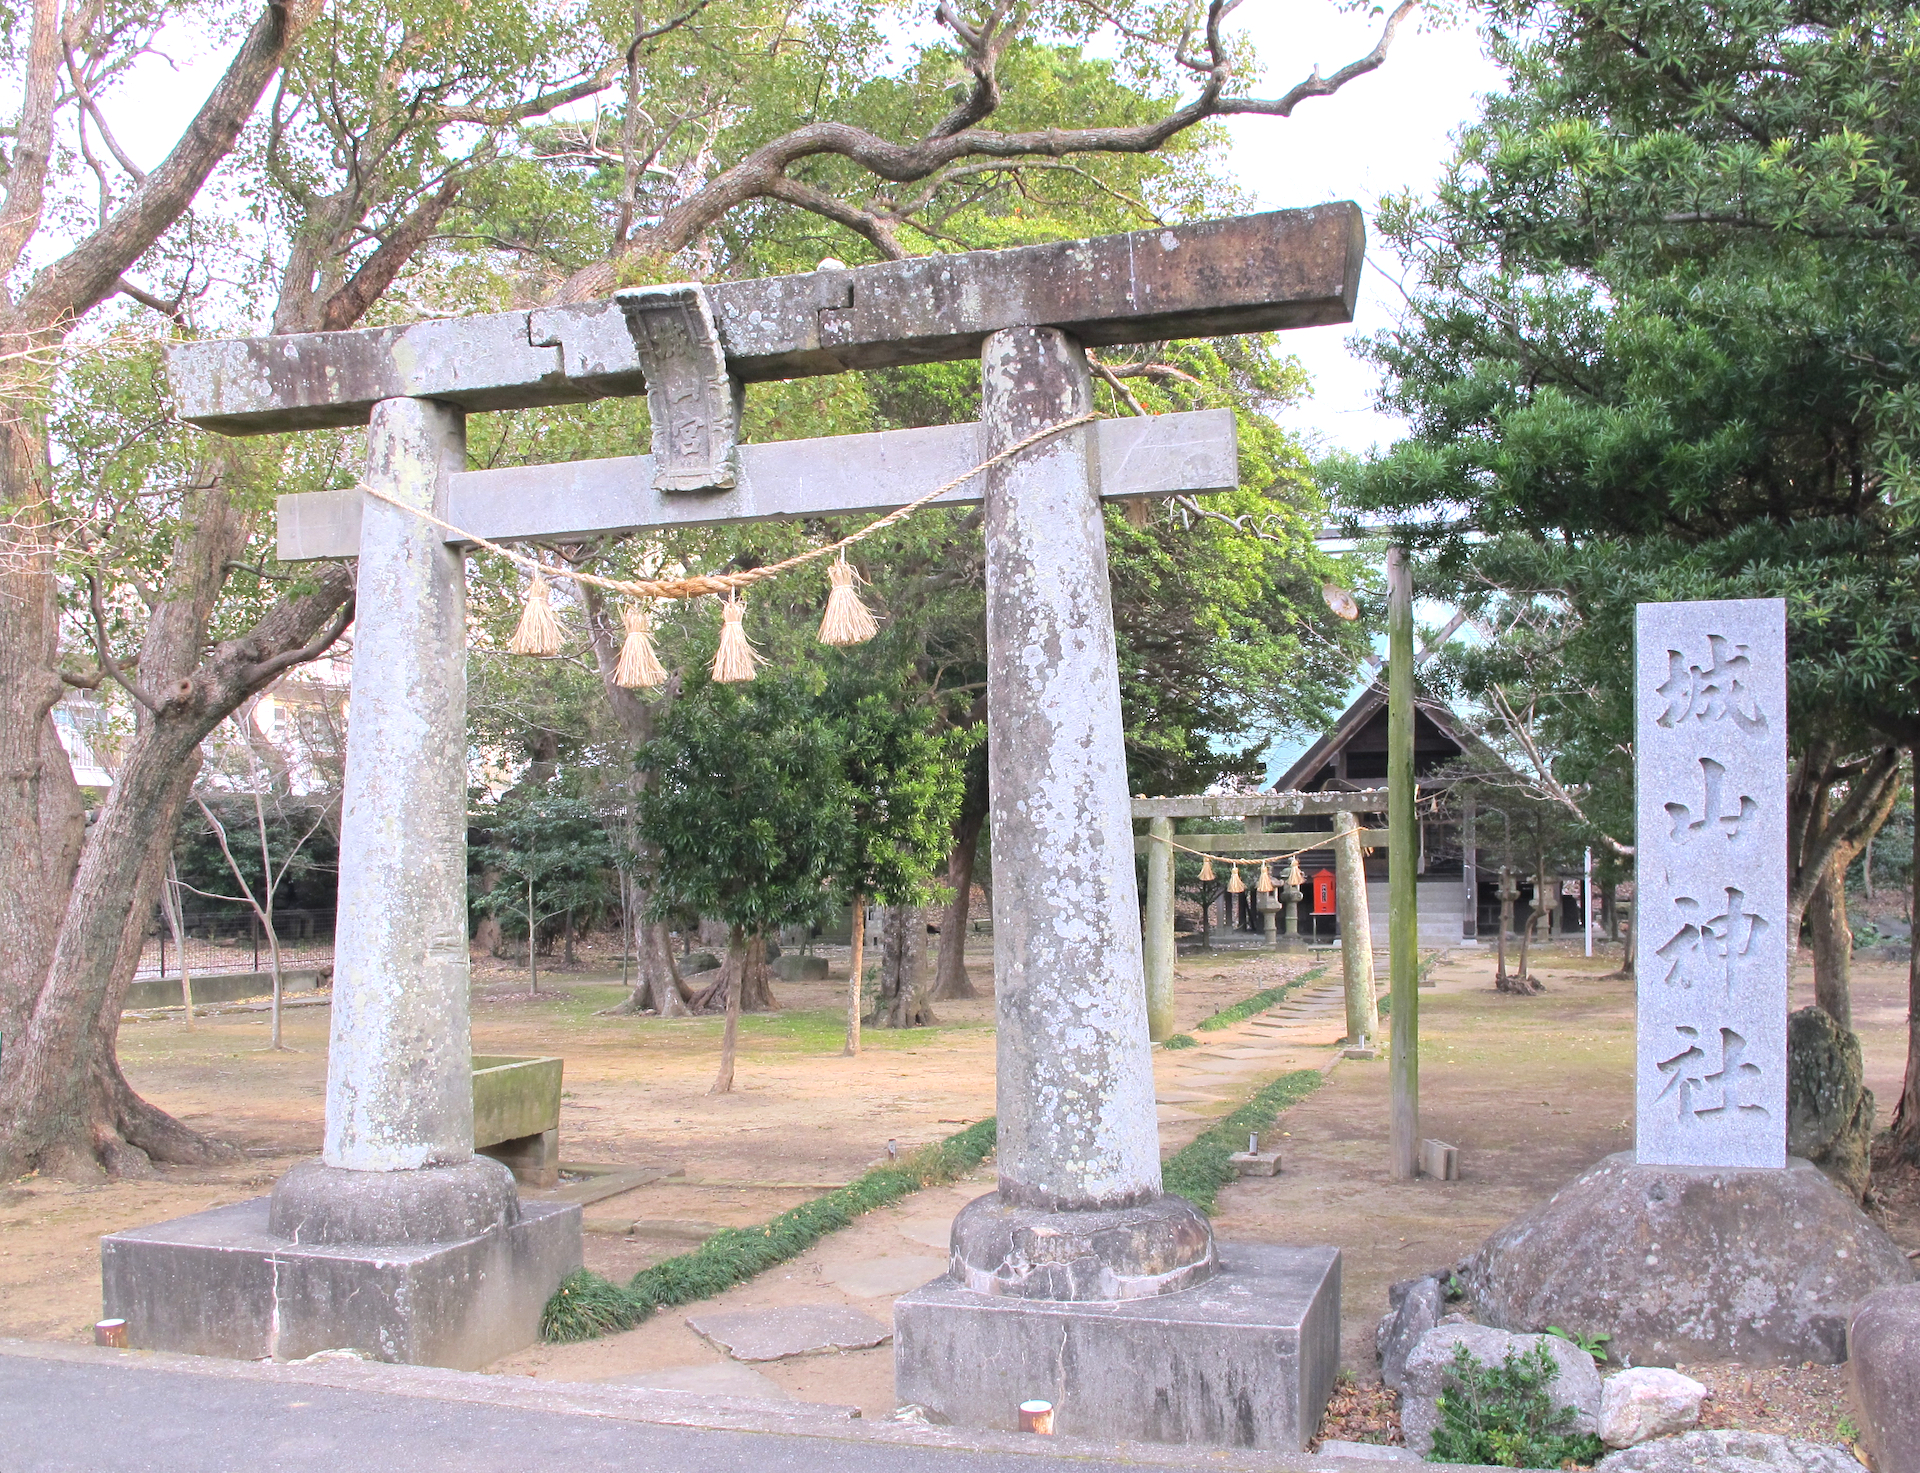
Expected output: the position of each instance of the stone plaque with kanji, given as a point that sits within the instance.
(1711, 883)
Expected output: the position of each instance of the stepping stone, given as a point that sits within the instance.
(778, 1334)
(935, 1232)
(719, 1378)
(885, 1276)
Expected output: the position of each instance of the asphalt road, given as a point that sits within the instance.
(99, 1418)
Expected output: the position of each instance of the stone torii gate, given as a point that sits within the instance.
(400, 1241)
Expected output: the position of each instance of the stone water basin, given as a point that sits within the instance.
(516, 1115)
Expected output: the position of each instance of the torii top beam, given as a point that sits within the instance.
(1255, 273)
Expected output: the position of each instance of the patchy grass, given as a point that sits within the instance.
(1198, 1172)
(1258, 1003)
(587, 1306)
(1181, 1040)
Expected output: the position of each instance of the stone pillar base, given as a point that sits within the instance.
(220, 1283)
(1246, 1359)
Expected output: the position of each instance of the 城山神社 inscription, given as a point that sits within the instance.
(1711, 882)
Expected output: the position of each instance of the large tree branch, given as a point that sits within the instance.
(869, 226)
(32, 136)
(87, 274)
(761, 173)
(361, 290)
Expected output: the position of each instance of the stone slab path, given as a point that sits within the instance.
(803, 1329)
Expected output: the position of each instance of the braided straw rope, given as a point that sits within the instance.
(706, 583)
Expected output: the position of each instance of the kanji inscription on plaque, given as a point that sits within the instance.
(1710, 761)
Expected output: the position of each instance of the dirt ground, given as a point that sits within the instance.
(1532, 1091)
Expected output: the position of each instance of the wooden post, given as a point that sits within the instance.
(1158, 938)
(1403, 934)
(1356, 930)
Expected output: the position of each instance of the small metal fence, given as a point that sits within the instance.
(234, 941)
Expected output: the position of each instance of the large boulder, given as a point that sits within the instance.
(1646, 1402)
(1883, 1377)
(1576, 1381)
(1414, 1307)
(1829, 1108)
(1681, 1263)
(1729, 1452)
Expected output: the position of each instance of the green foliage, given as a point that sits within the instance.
(1664, 346)
(1201, 1169)
(548, 837)
(587, 1306)
(1259, 1002)
(1181, 1040)
(1594, 1345)
(1504, 1416)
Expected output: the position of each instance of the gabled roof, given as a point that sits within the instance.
(1368, 706)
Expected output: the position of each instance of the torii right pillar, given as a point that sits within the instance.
(1081, 1281)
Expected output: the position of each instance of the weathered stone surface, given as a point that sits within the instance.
(1247, 1359)
(399, 1057)
(842, 475)
(1710, 775)
(1157, 1247)
(801, 1329)
(1883, 1377)
(1415, 1308)
(1647, 1402)
(1690, 1264)
(317, 1203)
(1334, 1447)
(894, 1273)
(1255, 273)
(220, 1283)
(699, 961)
(514, 1096)
(1576, 1381)
(1829, 1107)
(1729, 1452)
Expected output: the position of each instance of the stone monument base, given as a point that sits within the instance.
(1690, 1263)
(1246, 1359)
(220, 1283)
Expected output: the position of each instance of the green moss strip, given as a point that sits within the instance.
(1181, 1040)
(588, 1306)
(1198, 1172)
(1258, 1003)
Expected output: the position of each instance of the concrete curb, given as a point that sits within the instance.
(688, 1409)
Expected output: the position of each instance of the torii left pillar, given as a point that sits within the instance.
(399, 1241)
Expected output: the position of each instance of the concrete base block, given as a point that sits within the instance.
(534, 1160)
(218, 1283)
(1246, 1359)
(1256, 1163)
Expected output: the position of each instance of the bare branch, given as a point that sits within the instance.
(104, 653)
(170, 310)
(859, 221)
(263, 671)
(1316, 85)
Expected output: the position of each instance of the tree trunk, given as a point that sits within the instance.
(856, 964)
(732, 974)
(903, 1001)
(950, 971)
(1906, 1115)
(1832, 945)
(533, 944)
(756, 981)
(176, 923)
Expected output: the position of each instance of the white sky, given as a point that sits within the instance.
(1388, 131)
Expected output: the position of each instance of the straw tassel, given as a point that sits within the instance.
(1294, 876)
(539, 631)
(639, 667)
(847, 620)
(1236, 885)
(1206, 867)
(734, 660)
(1265, 883)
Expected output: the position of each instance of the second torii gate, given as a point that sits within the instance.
(400, 1241)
